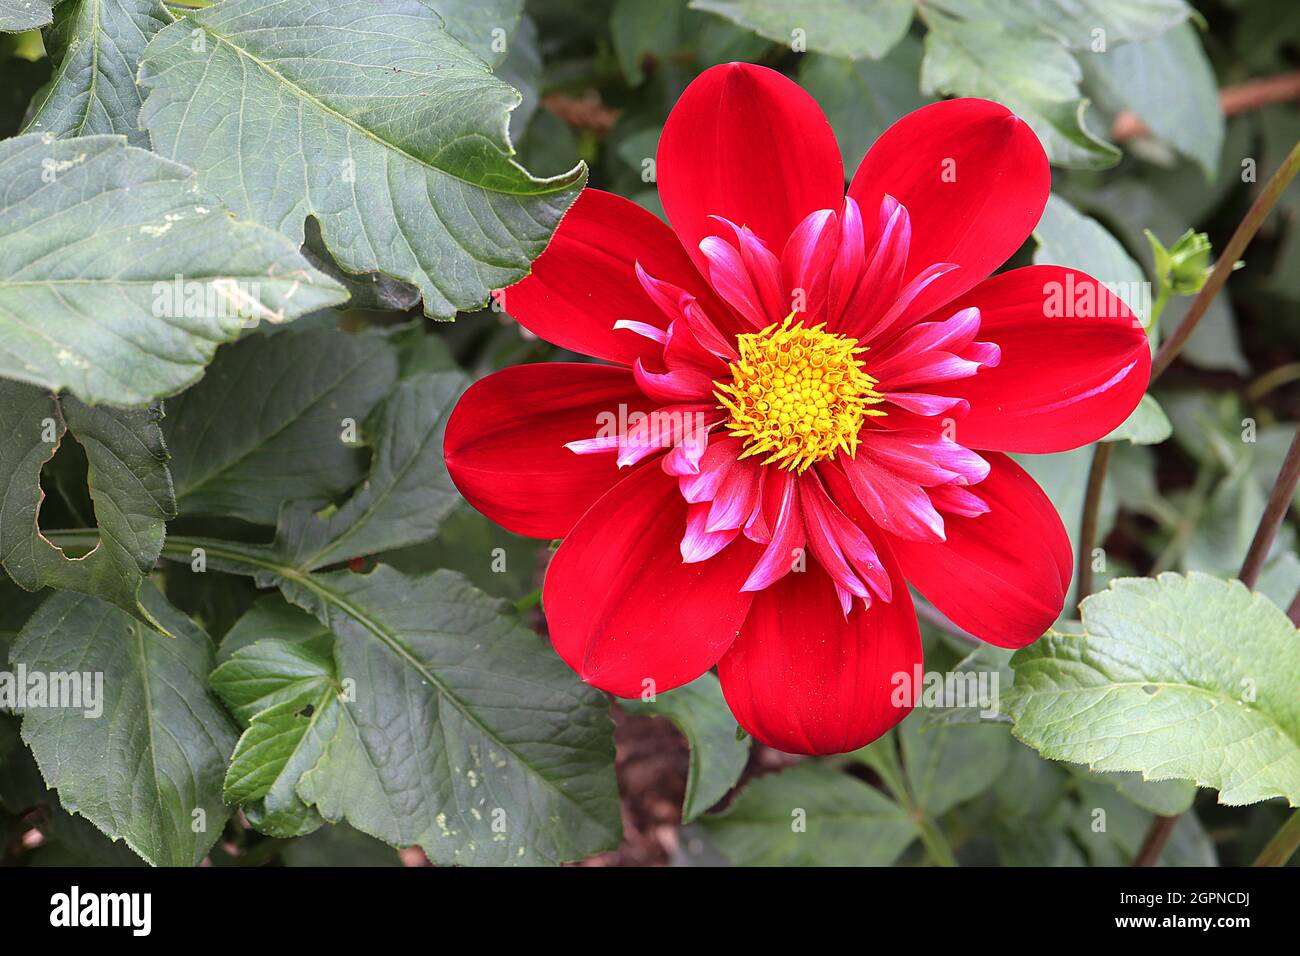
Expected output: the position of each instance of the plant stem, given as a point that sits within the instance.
(1255, 217)
(936, 844)
(1293, 612)
(1155, 841)
(1279, 502)
(1283, 845)
(1091, 510)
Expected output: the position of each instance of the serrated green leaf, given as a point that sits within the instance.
(717, 758)
(148, 770)
(409, 171)
(288, 696)
(494, 752)
(273, 618)
(862, 98)
(407, 494)
(95, 46)
(811, 815)
(269, 673)
(240, 437)
(87, 280)
(1165, 797)
(18, 15)
(1033, 75)
(1184, 112)
(847, 28)
(128, 482)
(1182, 677)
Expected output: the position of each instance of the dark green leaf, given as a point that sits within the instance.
(129, 485)
(125, 301)
(811, 815)
(240, 437)
(95, 46)
(148, 770)
(409, 167)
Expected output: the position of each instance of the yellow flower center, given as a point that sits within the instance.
(798, 394)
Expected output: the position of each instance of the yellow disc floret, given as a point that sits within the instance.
(798, 394)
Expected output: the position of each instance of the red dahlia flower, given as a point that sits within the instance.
(792, 370)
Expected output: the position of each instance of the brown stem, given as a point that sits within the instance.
(1293, 612)
(1279, 502)
(1155, 842)
(1238, 98)
(1255, 217)
(1091, 512)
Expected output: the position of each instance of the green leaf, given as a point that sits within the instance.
(862, 98)
(240, 437)
(1169, 83)
(1147, 425)
(95, 46)
(811, 815)
(848, 28)
(494, 752)
(289, 698)
(409, 167)
(500, 563)
(19, 15)
(1165, 797)
(1076, 22)
(1033, 75)
(717, 758)
(946, 766)
(148, 770)
(407, 494)
(339, 845)
(88, 281)
(1182, 677)
(128, 482)
(273, 618)
(485, 26)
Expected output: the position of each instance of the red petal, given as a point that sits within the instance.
(745, 143)
(1001, 576)
(624, 609)
(586, 280)
(974, 180)
(505, 443)
(804, 679)
(1063, 381)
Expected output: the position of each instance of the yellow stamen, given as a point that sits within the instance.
(798, 394)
